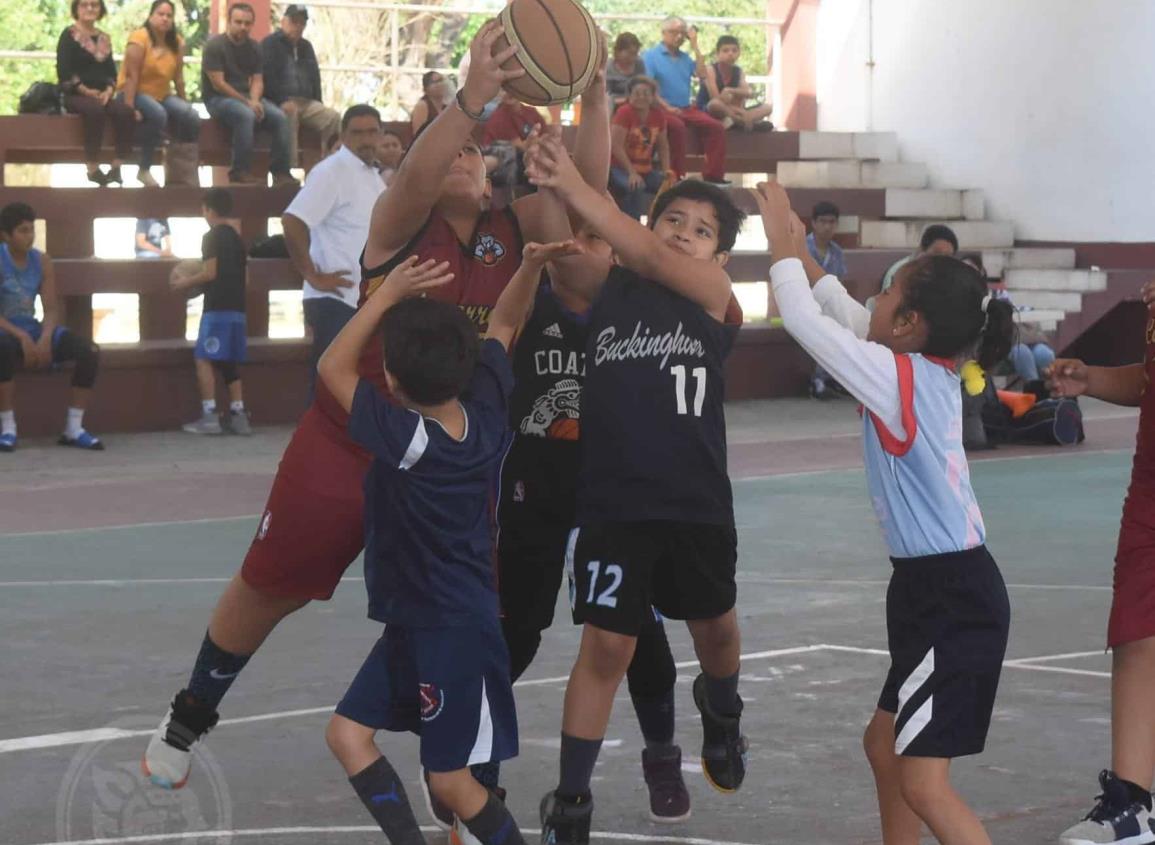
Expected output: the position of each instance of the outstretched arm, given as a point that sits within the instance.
(636, 247)
(338, 365)
(401, 211)
(591, 151)
(516, 302)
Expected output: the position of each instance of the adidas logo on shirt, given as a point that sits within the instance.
(553, 330)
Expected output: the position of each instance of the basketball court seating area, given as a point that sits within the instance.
(885, 203)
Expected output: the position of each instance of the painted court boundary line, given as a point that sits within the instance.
(314, 831)
(67, 738)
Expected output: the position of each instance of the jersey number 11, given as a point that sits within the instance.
(699, 374)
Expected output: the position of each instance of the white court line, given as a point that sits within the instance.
(314, 831)
(864, 582)
(30, 743)
(1068, 656)
(55, 531)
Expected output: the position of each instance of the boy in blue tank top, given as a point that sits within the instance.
(25, 273)
(441, 668)
(654, 511)
(947, 612)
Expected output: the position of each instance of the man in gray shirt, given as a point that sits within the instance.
(232, 85)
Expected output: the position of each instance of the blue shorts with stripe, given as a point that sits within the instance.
(449, 685)
(222, 337)
(947, 620)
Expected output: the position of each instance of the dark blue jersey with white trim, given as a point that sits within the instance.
(653, 423)
(428, 531)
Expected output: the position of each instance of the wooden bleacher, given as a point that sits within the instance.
(150, 385)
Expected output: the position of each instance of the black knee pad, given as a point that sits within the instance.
(523, 644)
(87, 364)
(10, 355)
(228, 371)
(652, 672)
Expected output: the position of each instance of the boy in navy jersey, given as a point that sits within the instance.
(655, 520)
(441, 668)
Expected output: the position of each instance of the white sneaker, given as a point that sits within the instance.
(168, 758)
(207, 424)
(1115, 820)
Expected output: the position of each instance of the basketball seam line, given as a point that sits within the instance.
(533, 73)
(564, 48)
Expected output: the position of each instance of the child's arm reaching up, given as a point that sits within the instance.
(867, 370)
(338, 366)
(637, 248)
(516, 302)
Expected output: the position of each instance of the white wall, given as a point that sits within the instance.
(1047, 105)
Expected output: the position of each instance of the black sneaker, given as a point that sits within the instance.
(669, 799)
(168, 758)
(565, 822)
(1117, 819)
(723, 746)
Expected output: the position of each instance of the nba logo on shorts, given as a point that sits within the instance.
(264, 529)
(432, 701)
(212, 345)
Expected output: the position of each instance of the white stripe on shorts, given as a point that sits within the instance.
(921, 717)
(483, 746)
(570, 563)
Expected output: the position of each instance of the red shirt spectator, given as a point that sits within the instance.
(642, 134)
(512, 122)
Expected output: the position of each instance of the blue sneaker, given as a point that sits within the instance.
(84, 440)
(7, 442)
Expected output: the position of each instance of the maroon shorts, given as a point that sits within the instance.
(312, 526)
(1133, 605)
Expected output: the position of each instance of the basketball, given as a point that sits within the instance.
(189, 267)
(558, 47)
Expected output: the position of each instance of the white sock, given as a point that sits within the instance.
(209, 406)
(237, 407)
(74, 425)
(8, 422)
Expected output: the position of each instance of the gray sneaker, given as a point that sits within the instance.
(206, 424)
(1116, 818)
(237, 422)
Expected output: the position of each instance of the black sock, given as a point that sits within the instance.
(722, 694)
(656, 719)
(578, 757)
(214, 672)
(487, 774)
(1137, 793)
(383, 795)
(494, 825)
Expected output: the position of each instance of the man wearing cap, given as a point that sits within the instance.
(293, 79)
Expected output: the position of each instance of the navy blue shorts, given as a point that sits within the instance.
(450, 686)
(221, 336)
(35, 329)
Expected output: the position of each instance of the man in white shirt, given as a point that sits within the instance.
(327, 223)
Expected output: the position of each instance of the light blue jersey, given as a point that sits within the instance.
(920, 487)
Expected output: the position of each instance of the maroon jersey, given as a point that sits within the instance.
(480, 271)
(1139, 507)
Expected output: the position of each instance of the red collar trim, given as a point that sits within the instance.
(949, 363)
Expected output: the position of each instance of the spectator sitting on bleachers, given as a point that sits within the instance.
(153, 238)
(87, 75)
(723, 91)
(674, 71)
(937, 239)
(624, 66)
(828, 254)
(25, 273)
(293, 80)
(153, 66)
(434, 99)
(390, 149)
(503, 140)
(221, 342)
(637, 132)
(233, 89)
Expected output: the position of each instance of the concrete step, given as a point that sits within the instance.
(851, 173)
(926, 203)
(1046, 319)
(1081, 281)
(905, 234)
(998, 261)
(877, 146)
(1049, 300)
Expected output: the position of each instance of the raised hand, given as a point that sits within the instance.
(410, 278)
(552, 167)
(596, 91)
(1067, 377)
(542, 253)
(486, 76)
(774, 206)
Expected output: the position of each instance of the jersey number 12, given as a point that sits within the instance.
(699, 374)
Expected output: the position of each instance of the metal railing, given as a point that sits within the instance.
(394, 70)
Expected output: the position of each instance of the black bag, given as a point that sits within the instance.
(41, 98)
(1052, 422)
(273, 247)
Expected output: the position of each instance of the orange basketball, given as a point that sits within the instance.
(565, 428)
(558, 43)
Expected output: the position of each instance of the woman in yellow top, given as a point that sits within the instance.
(153, 67)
